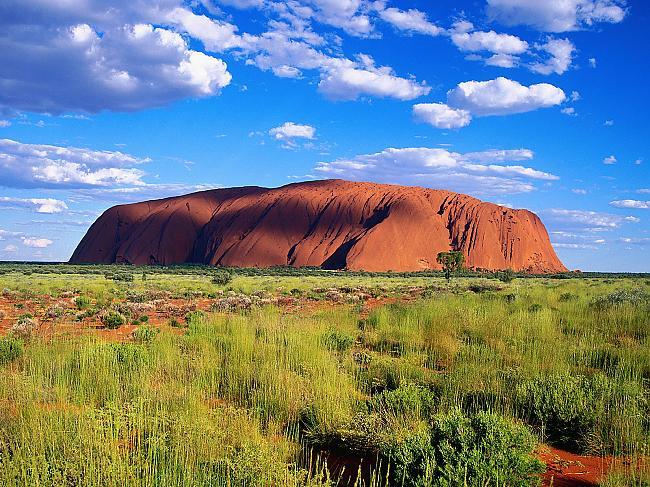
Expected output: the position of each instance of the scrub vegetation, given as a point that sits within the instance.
(206, 379)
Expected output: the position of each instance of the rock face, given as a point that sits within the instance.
(333, 224)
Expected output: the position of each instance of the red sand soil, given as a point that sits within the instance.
(333, 224)
(566, 469)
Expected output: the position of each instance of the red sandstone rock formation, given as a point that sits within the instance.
(333, 224)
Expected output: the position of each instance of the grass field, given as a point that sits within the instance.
(319, 380)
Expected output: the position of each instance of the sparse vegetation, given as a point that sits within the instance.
(408, 380)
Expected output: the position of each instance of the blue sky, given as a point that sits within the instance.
(529, 104)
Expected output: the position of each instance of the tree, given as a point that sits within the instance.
(451, 262)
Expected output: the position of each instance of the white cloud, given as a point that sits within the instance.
(575, 96)
(40, 205)
(70, 56)
(638, 161)
(10, 248)
(39, 165)
(503, 96)
(561, 55)
(579, 191)
(350, 82)
(475, 173)
(215, 35)
(639, 205)
(441, 116)
(610, 160)
(288, 132)
(500, 96)
(489, 41)
(609, 123)
(502, 61)
(592, 62)
(5, 123)
(36, 243)
(569, 111)
(66, 56)
(583, 220)
(412, 21)
(556, 15)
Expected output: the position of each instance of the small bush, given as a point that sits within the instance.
(174, 323)
(194, 317)
(337, 340)
(222, 278)
(566, 297)
(113, 320)
(25, 326)
(145, 334)
(82, 302)
(621, 297)
(10, 349)
(507, 275)
(483, 449)
(535, 308)
(122, 277)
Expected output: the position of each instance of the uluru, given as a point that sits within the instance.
(333, 224)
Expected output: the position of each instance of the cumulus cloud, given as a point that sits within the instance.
(475, 173)
(72, 56)
(346, 82)
(411, 21)
(500, 96)
(81, 56)
(441, 116)
(560, 53)
(503, 96)
(290, 133)
(40, 205)
(36, 243)
(640, 205)
(489, 41)
(569, 111)
(10, 248)
(42, 166)
(556, 16)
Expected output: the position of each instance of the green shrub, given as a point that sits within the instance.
(221, 278)
(510, 298)
(113, 319)
(622, 296)
(507, 275)
(145, 334)
(483, 449)
(194, 317)
(122, 277)
(535, 308)
(82, 302)
(584, 414)
(174, 323)
(566, 297)
(10, 349)
(337, 340)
